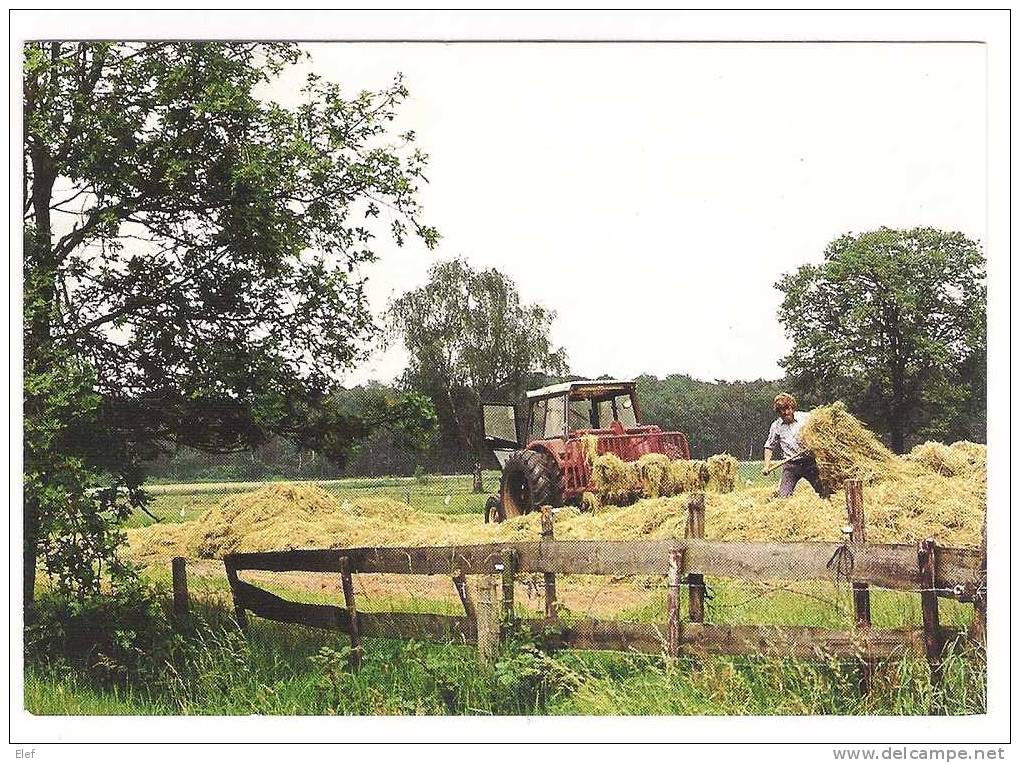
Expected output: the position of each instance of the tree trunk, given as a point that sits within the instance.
(40, 284)
(897, 437)
(30, 558)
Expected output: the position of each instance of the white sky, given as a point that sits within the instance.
(653, 194)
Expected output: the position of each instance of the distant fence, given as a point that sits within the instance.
(927, 569)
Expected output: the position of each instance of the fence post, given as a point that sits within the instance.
(476, 484)
(179, 573)
(930, 611)
(460, 583)
(509, 569)
(487, 619)
(673, 603)
(550, 577)
(862, 596)
(978, 630)
(696, 581)
(239, 613)
(347, 583)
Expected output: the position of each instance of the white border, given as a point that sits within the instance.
(991, 28)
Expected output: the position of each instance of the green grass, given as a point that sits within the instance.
(289, 670)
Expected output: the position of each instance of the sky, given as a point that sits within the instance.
(653, 194)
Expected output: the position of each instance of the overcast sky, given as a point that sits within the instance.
(653, 194)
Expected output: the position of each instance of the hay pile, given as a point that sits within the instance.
(284, 516)
(722, 473)
(654, 475)
(950, 460)
(614, 480)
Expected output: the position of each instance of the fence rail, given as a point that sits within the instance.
(958, 571)
(926, 569)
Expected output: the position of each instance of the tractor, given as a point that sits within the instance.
(545, 464)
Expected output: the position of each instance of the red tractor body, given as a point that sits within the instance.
(552, 467)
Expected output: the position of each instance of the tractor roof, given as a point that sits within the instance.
(594, 386)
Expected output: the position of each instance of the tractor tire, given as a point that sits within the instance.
(531, 479)
(493, 510)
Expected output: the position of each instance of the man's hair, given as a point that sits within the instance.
(782, 399)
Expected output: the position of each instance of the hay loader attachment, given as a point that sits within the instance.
(547, 461)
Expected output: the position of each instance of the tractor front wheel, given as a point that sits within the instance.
(530, 479)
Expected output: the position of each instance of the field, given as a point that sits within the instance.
(290, 670)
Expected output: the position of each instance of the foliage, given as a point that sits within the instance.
(110, 638)
(893, 323)
(192, 269)
(717, 417)
(470, 339)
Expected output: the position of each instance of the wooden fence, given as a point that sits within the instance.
(929, 570)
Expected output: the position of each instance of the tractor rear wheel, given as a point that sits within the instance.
(530, 479)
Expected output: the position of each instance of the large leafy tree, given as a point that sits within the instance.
(469, 339)
(191, 270)
(893, 322)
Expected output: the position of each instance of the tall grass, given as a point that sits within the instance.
(210, 669)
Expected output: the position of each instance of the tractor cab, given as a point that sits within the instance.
(564, 410)
(561, 411)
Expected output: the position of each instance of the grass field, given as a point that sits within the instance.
(292, 670)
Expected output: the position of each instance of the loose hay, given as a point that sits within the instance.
(654, 475)
(846, 449)
(589, 448)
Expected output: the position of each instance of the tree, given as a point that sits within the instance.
(893, 323)
(191, 270)
(470, 339)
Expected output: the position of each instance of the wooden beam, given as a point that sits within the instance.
(673, 627)
(778, 641)
(696, 590)
(599, 635)
(884, 565)
(508, 572)
(395, 625)
(978, 630)
(461, 584)
(549, 578)
(235, 591)
(861, 594)
(179, 575)
(801, 641)
(272, 607)
(651, 638)
(347, 583)
(487, 620)
(933, 643)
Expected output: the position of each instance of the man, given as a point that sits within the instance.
(784, 441)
